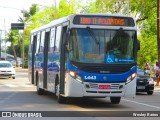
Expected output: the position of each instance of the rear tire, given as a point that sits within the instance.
(150, 92)
(115, 100)
(13, 77)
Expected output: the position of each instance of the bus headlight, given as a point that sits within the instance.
(75, 76)
(130, 78)
(72, 74)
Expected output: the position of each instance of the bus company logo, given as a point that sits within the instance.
(104, 78)
(6, 114)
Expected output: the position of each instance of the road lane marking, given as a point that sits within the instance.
(8, 97)
(1, 101)
(10, 85)
(27, 86)
(141, 103)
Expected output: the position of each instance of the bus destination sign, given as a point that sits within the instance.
(103, 20)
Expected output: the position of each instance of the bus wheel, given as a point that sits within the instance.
(40, 91)
(150, 92)
(115, 100)
(60, 98)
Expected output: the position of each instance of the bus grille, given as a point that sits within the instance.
(95, 86)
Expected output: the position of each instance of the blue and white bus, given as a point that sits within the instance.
(85, 55)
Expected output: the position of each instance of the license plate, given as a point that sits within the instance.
(140, 87)
(104, 87)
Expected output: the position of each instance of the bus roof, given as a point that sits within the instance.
(70, 17)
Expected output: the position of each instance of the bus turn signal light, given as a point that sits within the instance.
(71, 73)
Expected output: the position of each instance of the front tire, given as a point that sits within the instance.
(115, 100)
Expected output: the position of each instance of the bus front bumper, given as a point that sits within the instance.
(74, 88)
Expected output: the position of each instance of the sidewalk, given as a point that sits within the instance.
(156, 87)
(21, 69)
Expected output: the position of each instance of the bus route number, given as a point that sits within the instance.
(90, 77)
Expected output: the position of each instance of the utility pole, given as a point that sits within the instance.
(0, 42)
(55, 3)
(158, 28)
(5, 38)
(128, 7)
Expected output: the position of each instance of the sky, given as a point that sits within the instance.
(10, 10)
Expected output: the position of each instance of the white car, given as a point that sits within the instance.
(7, 70)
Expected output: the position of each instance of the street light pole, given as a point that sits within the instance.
(5, 38)
(23, 43)
(0, 42)
(128, 7)
(55, 3)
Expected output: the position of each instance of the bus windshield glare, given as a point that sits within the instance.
(102, 46)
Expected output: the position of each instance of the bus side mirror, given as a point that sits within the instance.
(138, 45)
(67, 38)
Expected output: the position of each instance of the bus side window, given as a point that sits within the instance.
(34, 44)
(31, 44)
(58, 37)
(42, 42)
(52, 40)
(38, 41)
(47, 40)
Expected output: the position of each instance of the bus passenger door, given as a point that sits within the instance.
(37, 59)
(34, 43)
(45, 62)
(63, 59)
(30, 59)
(52, 69)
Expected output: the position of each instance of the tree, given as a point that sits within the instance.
(28, 14)
(12, 37)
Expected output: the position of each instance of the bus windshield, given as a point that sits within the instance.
(102, 46)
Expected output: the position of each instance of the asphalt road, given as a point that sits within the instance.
(19, 95)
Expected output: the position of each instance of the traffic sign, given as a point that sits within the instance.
(17, 26)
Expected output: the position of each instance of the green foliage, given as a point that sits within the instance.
(148, 50)
(13, 36)
(148, 34)
(33, 10)
(17, 48)
(65, 8)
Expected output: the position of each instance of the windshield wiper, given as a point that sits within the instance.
(92, 35)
